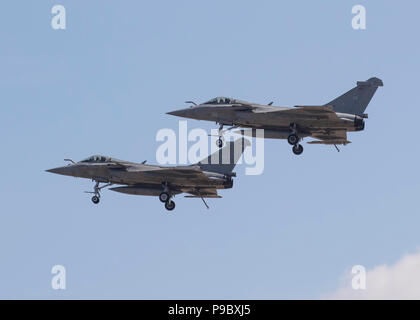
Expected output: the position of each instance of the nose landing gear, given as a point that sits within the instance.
(96, 191)
(221, 140)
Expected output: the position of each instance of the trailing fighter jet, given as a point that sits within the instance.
(200, 180)
(327, 123)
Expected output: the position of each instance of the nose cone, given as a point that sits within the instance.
(66, 170)
(185, 113)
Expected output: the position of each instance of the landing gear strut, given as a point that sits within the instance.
(221, 140)
(96, 191)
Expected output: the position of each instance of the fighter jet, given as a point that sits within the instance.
(328, 123)
(200, 180)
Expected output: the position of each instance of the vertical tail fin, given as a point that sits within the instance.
(357, 99)
(224, 160)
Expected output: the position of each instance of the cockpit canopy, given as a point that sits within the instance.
(97, 158)
(220, 100)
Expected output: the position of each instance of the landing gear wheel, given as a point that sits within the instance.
(95, 199)
(219, 142)
(297, 149)
(293, 139)
(164, 196)
(170, 205)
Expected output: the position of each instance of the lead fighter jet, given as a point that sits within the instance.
(328, 123)
(200, 180)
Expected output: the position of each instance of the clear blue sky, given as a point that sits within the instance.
(103, 86)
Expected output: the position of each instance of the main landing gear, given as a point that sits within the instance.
(297, 149)
(166, 198)
(170, 205)
(96, 191)
(293, 139)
